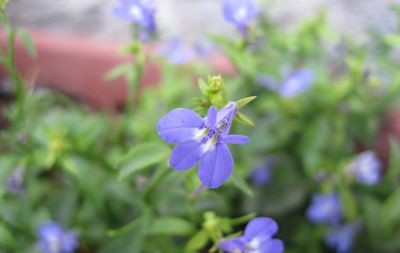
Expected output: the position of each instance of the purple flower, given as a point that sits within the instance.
(201, 139)
(296, 83)
(177, 53)
(293, 84)
(15, 181)
(140, 12)
(266, 81)
(341, 238)
(204, 49)
(366, 168)
(240, 13)
(325, 208)
(261, 175)
(53, 239)
(257, 238)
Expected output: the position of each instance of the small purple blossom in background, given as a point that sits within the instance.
(177, 53)
(366, 168)
(240, 13)
(202, 140)
(15, 181)
(342, 237)
(53, 239)
(204, 49)
(296, 83)
(266, 81)
(261, 175)
(140, 12)
(257, 238)
(325, 208)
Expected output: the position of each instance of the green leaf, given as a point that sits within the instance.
(203, 86)
(6, 238)
(118, 71)
(197, 242)
(244, 119)
(244, 101)
(125, 229)
(371, 210)
(27, 41)
(392, 40)
(349, 203)
(394, 161)
(3, 4)
(390, 212)
(141, 157)
(315, 138)
(170, 226)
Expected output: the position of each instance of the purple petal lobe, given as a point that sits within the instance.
(212, 117)
(261, 229)
(296, 83)
(236, 139)
(271, 246)
(233, 245)
(179, 125)
(325, 208)
(185, 155)
(226, 114)
(216, 166)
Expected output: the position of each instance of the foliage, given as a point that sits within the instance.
(107, 176)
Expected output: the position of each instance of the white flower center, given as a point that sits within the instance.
(209, 145)
(240, 14)
(199, 134)
(253, 246)
(136, 12)
(54, 244)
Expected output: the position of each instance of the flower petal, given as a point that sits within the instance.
(230, 245)
(179, 125)
(236, 139)
(260, 229)
(212, 117)
(228, 114)
(271, 246)
(185, 155)
(216, 166)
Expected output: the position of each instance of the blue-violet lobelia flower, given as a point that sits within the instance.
(342, 237)
(240, 13)
(202, 139)
(296, 83)
(15, 181)
(53, 239)
(325, 208)
(177, 53)
(140, 12)
(366, 168)
(261, 175)
(257, 238)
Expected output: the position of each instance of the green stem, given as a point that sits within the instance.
(9, 63)
(243, 219)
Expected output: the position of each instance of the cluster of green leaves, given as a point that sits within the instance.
(107, 176)
(313, 136)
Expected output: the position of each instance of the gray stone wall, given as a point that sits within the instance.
(192, 19)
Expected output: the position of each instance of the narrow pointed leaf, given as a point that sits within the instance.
(244, 119)
(141, 157)
(27, 41)
(244, 101)
(170, 226)
(202, 86)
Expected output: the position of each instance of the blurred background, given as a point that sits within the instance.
(175, 17)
